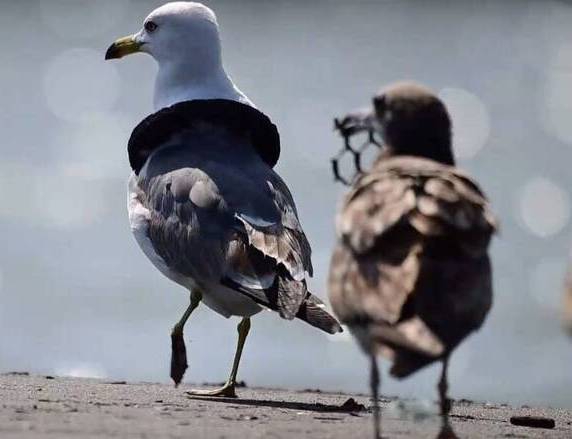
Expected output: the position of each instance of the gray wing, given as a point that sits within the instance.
(233, 224)
(274, 229)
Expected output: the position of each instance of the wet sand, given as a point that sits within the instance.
(53, 407)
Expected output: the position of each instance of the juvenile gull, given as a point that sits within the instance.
(205, 205)
(411, 275)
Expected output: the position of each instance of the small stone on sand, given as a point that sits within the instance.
(533, 421)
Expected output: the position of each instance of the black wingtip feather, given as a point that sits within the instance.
(311, 312)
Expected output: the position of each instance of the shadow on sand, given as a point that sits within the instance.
(350, 406)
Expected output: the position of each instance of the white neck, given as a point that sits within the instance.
(180, 81)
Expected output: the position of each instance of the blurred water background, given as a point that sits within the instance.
(77, 297)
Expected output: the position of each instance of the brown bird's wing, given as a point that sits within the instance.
(411, 273)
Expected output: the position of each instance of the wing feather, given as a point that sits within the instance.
(283, 240)
(434, 199)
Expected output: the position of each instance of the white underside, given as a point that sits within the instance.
(220, 299)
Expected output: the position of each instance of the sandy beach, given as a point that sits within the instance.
(54, 407)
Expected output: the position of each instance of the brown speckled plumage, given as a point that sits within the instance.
(411, 275)
(411, 268)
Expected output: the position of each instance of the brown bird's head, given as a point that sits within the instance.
(410, 119)
(414, 122)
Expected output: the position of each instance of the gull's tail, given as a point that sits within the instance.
(313, 312)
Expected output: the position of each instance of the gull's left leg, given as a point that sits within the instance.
(228, 390)
(445, 403)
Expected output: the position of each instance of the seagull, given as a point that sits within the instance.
(205, 205)
(410, 275)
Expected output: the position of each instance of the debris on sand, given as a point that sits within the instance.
(352, 406)
(309, 390)
(533, 421)
(16, 374)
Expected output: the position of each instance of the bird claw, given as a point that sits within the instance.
(178, 357)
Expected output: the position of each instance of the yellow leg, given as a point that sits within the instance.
(178, 349)
(228, 390)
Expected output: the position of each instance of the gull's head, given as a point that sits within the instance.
(184, 39)
(175, 32)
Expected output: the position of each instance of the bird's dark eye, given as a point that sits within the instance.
(150, 26)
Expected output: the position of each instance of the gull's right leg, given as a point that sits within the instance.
(178, 349)
(228, 389)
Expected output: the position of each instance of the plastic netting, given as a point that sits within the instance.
(360, 140)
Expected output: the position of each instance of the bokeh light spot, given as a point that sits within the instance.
(556, 106)
(65, 202)
(471, 121)
(78, 83)
(544, 207)
(97, 149)
(547, 283)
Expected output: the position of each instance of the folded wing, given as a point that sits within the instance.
(412, 264)
(232, 225)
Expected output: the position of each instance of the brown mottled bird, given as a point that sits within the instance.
(411, 275)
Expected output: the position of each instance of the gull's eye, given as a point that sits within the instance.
(151, 26)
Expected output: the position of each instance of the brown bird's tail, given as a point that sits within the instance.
(313, 312)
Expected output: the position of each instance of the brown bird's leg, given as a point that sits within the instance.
(445, 403)
(228, 389)
(178, 349)
(374, 383)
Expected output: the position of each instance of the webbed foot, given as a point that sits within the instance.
(226, 391)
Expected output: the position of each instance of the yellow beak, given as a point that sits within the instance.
(123, 47)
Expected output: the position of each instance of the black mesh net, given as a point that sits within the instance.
(362, 145)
